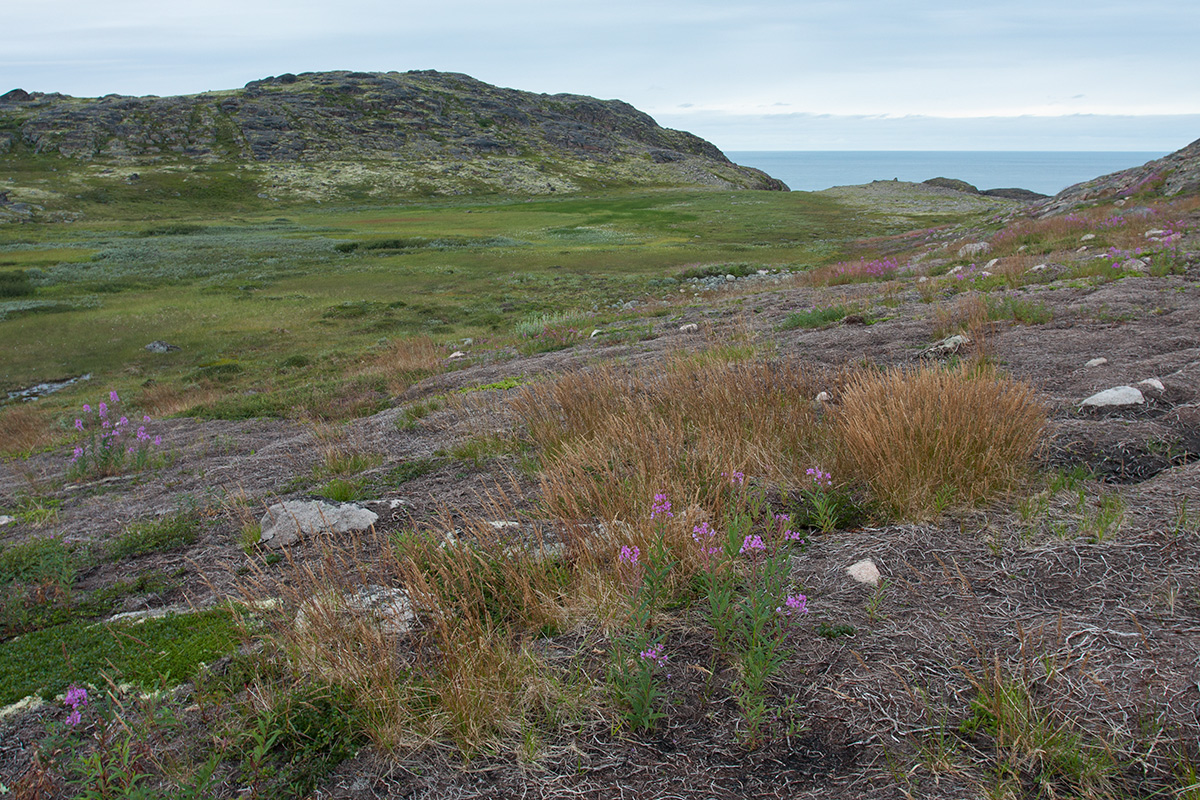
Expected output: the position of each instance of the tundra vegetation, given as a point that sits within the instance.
(610, 551)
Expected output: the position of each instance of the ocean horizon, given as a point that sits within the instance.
(1046, 172)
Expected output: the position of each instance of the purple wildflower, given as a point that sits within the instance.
(102, 409)
(78, 424)
(736, 478)
(661, 507)
(793, 604)
(821, 479)
(753, 544)
(629, 555)
(654, 654)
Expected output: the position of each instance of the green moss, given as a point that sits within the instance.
(145, 654)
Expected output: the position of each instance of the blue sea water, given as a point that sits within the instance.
(1044, 172)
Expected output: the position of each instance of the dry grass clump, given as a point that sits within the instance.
(611, 438)
(403, 362)
(922, 439)
(23, 429)
(165, 399)
(477, 593)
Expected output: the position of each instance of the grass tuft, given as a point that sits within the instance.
(923, 439)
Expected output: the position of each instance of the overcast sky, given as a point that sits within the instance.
(756, 74)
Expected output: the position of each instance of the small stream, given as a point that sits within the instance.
(43, 389)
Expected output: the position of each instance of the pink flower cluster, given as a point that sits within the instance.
(793, 604)
(661, 507)
(75, 699)
(654, 654)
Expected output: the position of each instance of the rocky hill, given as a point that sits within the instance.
(425, 131)
(1171, 175)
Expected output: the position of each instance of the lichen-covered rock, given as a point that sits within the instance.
(287, 522)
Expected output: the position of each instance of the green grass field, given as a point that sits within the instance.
(244, 295)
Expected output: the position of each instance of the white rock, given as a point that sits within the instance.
(458, 354)
(974, 249)
(991, 263)
(1087, 237)
(1082, 249)
(984, 274)
(391, 609)
(822, 397)
(7, 520)
(731, 278)
(1097, 362)
(691, 327)
(1133, 265)
(1022, 248)
(597, 332)
(1154, 233)
(1153, 383)
(284, 523)
(1116, 397)
(763, 272)
(1039, 268)
(864, 571)
(922, 279)
(1120, 203)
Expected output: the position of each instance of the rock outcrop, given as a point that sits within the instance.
(393, 120)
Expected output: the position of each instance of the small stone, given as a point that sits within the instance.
(985, 274)
(1154, 233)
(922, 279)
(1087, 237)
(1097, 362)
(974, 249)
(1082, 249)
(457, 354)
(991, 263)
(691, 327)
(595, 333)
(955, 270)
(1153, 383)
(7, 520)
(822, 397)
(1135, 265)
(864, 571)
(731, 278)
(159, 346)
(1039, 268)
(1116, 397)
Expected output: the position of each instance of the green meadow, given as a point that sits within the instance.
(295, 295)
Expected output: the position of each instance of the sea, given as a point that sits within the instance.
(1039, 171)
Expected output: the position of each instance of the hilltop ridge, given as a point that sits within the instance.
(423, 131)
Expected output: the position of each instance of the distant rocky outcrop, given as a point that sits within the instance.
(1177, 173)
(1023, 195)
(386, 121)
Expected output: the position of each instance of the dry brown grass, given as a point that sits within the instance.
(923, 439)
(612, 438)
(165, 400)
(967, 311)
(403, 362)
(23, 429)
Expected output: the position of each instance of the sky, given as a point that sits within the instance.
(749, 75)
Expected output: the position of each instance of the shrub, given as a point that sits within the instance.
(921, 439)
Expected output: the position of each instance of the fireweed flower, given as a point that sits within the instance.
(654, 654)
(79, 425)
(735, 478)
(75, 699)
(629, 555)
(792, 536)
(102, 409)
(793, 604)
(821, 479)
(661, 507)
(753, 544)
(703, 535)
(112, 396)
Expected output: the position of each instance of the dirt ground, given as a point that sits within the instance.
(1117, 621)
